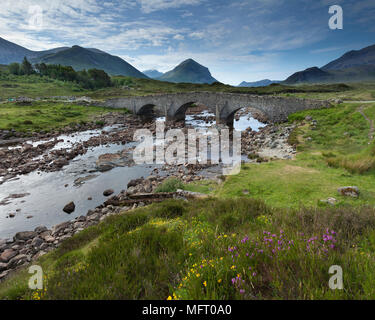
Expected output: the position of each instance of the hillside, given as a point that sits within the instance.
(189, 71)
(355, 58)
(11, 52)
(353, 66)
(153, 74)
(80, 58)
(309, 75)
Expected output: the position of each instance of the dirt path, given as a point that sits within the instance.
(370, 121)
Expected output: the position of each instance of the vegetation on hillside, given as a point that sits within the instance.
(211, 249)
(46, 116)
(91, 79)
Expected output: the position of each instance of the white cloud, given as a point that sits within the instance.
(149, 6)
(179, 37)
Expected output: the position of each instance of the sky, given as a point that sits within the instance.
(240, 40)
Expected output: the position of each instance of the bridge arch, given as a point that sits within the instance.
(227, 115)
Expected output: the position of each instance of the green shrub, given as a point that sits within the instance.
(170, 185)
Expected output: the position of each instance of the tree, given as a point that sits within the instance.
(14, 68)
(100, 78)
(26, 67)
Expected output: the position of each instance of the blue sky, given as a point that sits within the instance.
(240, 40)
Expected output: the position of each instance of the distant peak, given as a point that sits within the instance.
(189, 61)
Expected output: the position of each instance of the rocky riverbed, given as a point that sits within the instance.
(81, 167)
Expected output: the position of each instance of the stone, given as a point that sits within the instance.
(3, 266)
(69, 208)
(108, 192)
(349, 192)
(7, 255)
(60, 227)
(39, 254)
(37, 242)
(49, 239)
(18, 260)
(26, 235)
(40, 229)
(4, 274)
(135, 182)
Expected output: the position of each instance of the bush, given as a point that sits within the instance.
(170, 185)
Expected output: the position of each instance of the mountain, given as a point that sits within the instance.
(81, 58)
(311, 75)
(11, 52)
(353, 59)
(261, 83)
(77, 57)
(189, 71)
(153, 74)
(356, 65)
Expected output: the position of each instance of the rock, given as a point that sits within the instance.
(69, 208)
(60, 227)
(3, 266)
(49, 239)
(17, 260)
(349, 192)
(331, 201)
(37, 242)
(39, 254)
(135, 182)
(7, 255)
(40, 229)
(4, 274)
(109, 161)
(108, 192)
(26, 235)
(82, 180)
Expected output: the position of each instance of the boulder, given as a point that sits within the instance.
(26, 235)
(108, 192)
(69, 208)
(7, 255)
(349, 192)
(40, 229)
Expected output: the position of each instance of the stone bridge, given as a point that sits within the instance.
(224, 105)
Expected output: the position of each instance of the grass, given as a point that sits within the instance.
(334, 154)
(46, 116)
(211, 249)
(35, 86)
(170, 185)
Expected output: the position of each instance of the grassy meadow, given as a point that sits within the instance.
(47, 116)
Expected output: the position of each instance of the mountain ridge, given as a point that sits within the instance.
(354, 65)
(77, 57)
(189, 71)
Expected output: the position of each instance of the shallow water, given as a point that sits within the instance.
(48, 194)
